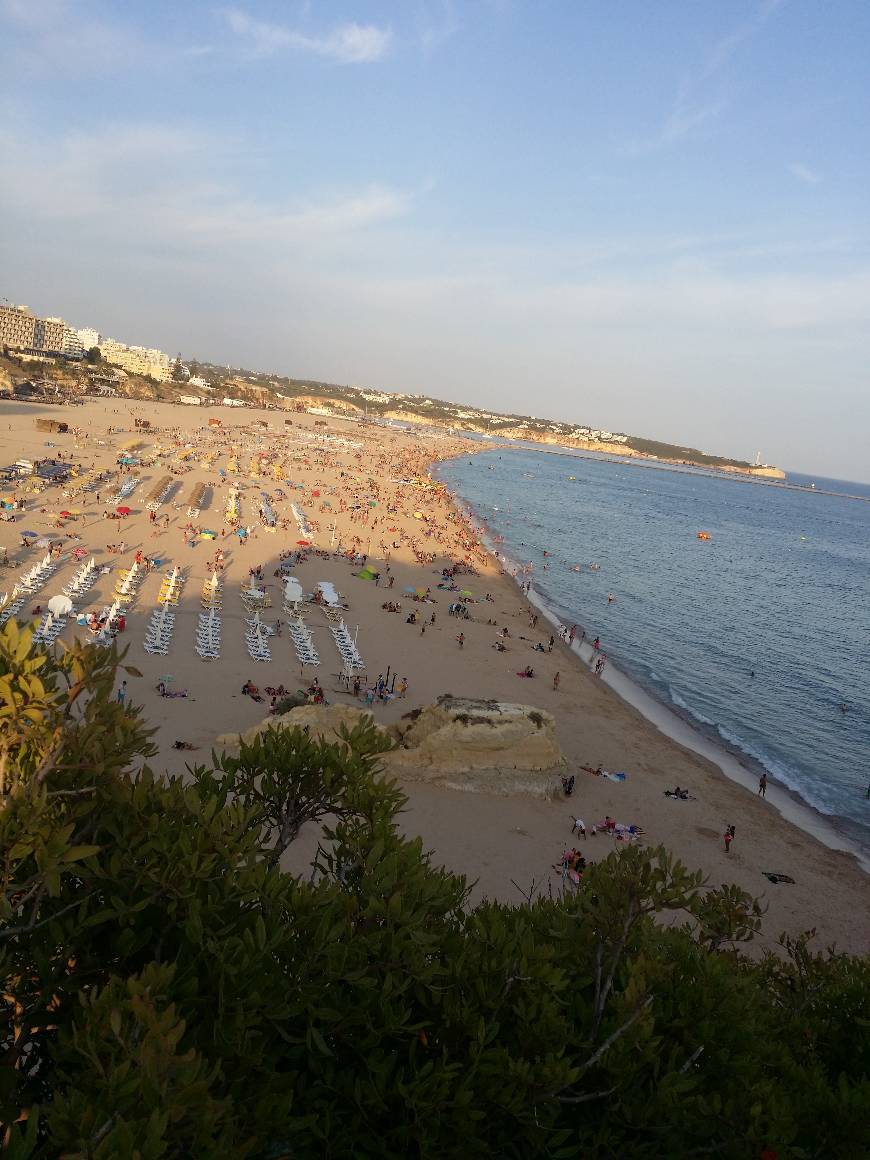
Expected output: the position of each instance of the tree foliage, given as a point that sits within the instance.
(171, 991)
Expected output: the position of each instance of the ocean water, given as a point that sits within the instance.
(781, 591)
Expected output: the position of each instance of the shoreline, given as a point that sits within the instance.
(737, 768)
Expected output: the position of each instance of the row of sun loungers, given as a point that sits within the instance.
(257, 639)
(353, 662)
(159, 493)
(208, 636)
(128, 583)
(233, 509)
(303, 643)
(126, 488)
(50, 628)
(83, 579)
(158, 635)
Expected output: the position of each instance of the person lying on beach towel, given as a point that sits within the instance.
(527, 672)
(682, 794)
(777, 878)
(183, 745)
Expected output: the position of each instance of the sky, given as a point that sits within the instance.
(649, 217)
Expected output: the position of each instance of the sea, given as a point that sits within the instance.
(759, 637)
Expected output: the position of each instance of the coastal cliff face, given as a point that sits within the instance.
(604, 448)
(766, 472)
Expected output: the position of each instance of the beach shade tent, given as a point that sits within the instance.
(464, 592)
(207, 534)
(242, 533)
(60, 606)
(292, 590)
(123, 510)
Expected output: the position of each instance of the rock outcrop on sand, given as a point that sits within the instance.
(323, 722)
(490, 746)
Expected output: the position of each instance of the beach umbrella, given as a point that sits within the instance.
(123, 510)
(65, 514)
(80, 553)
(30, 535)
(60, 605)
(409, 591)
(43, 542)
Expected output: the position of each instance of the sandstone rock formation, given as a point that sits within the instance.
(489, 746)
(323, 721)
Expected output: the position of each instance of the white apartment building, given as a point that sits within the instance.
(72, 343)
(88, 337)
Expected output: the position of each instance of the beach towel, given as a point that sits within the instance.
(613, 776)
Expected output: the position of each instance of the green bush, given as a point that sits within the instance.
(171, 991)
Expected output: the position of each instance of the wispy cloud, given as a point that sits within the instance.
(804, 173)
(345, 44)
(153, 185)
(695, 105)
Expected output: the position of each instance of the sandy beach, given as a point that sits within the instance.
(363, 489)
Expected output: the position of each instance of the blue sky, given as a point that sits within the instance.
(648, 216)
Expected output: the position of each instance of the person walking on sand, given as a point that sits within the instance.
(556, 679)
(403, 687)
(461, 640)
(122, 693)
(728, 838)
(579, 827)
(762, 785)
